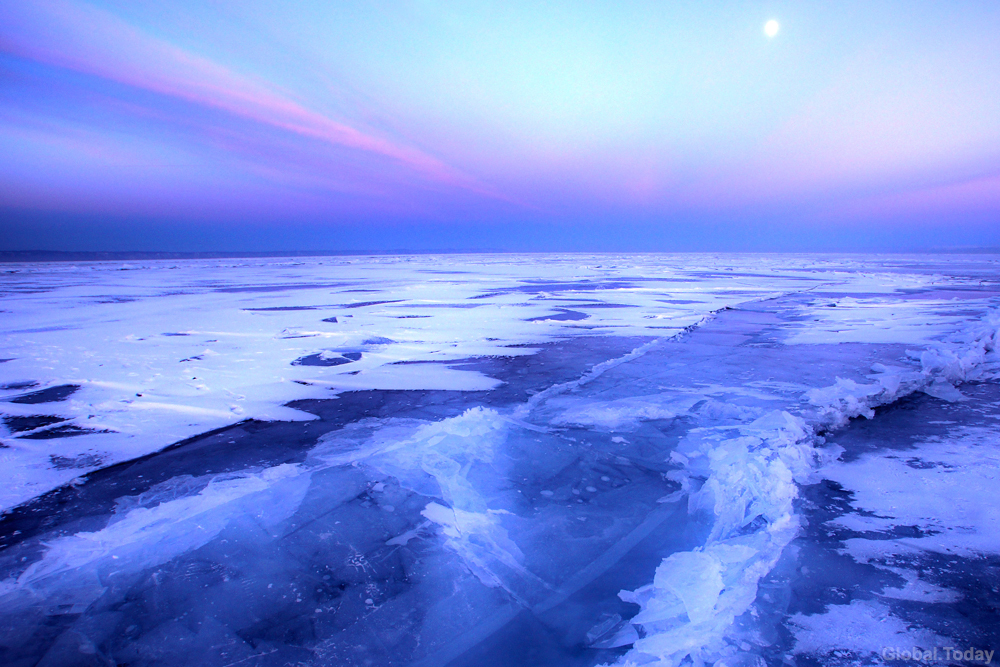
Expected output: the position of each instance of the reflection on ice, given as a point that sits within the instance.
(151, 529)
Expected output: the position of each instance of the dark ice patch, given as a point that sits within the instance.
(919, 464)
(64, 431)
(534, 287)
(363, 304)
(332, 320)
(738, 274)
(449, 306)
(270, 309)
(49, 395)
(30, 423)
(564, 315)
(541, 286)
(27, 384)
(287, 333)
(580, 303)
(606, 305)
(275, 288)
(445, 273)
(319, 359)
(175, 334)
(70, 462)
(378, 340)
(42, 330)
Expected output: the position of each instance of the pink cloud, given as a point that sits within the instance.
(88, 40)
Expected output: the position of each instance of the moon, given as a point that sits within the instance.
(771, 28)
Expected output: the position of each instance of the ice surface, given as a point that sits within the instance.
(164, 350)
(481, 479)
(146, 536)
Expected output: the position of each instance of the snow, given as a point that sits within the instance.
(862, 627)
(964, 468)
(878, 320)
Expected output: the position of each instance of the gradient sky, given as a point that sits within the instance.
(625, 125)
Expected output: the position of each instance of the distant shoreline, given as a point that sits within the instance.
(126, 255)
(7, 256)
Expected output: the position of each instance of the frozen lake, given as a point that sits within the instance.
(499, 459)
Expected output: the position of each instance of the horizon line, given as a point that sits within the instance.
(27, 256)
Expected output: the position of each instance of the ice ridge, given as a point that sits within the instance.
(749, 485)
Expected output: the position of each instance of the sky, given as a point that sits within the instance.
(244, 125)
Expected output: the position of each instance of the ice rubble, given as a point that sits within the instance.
(942, 366)
(434, 460)
(749, 485)
(918, 521)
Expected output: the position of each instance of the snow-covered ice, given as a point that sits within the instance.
(516, 459)
(155, 352)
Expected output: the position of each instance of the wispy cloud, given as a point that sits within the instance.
(92, 41)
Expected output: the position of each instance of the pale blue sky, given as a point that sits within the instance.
(586, 125)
